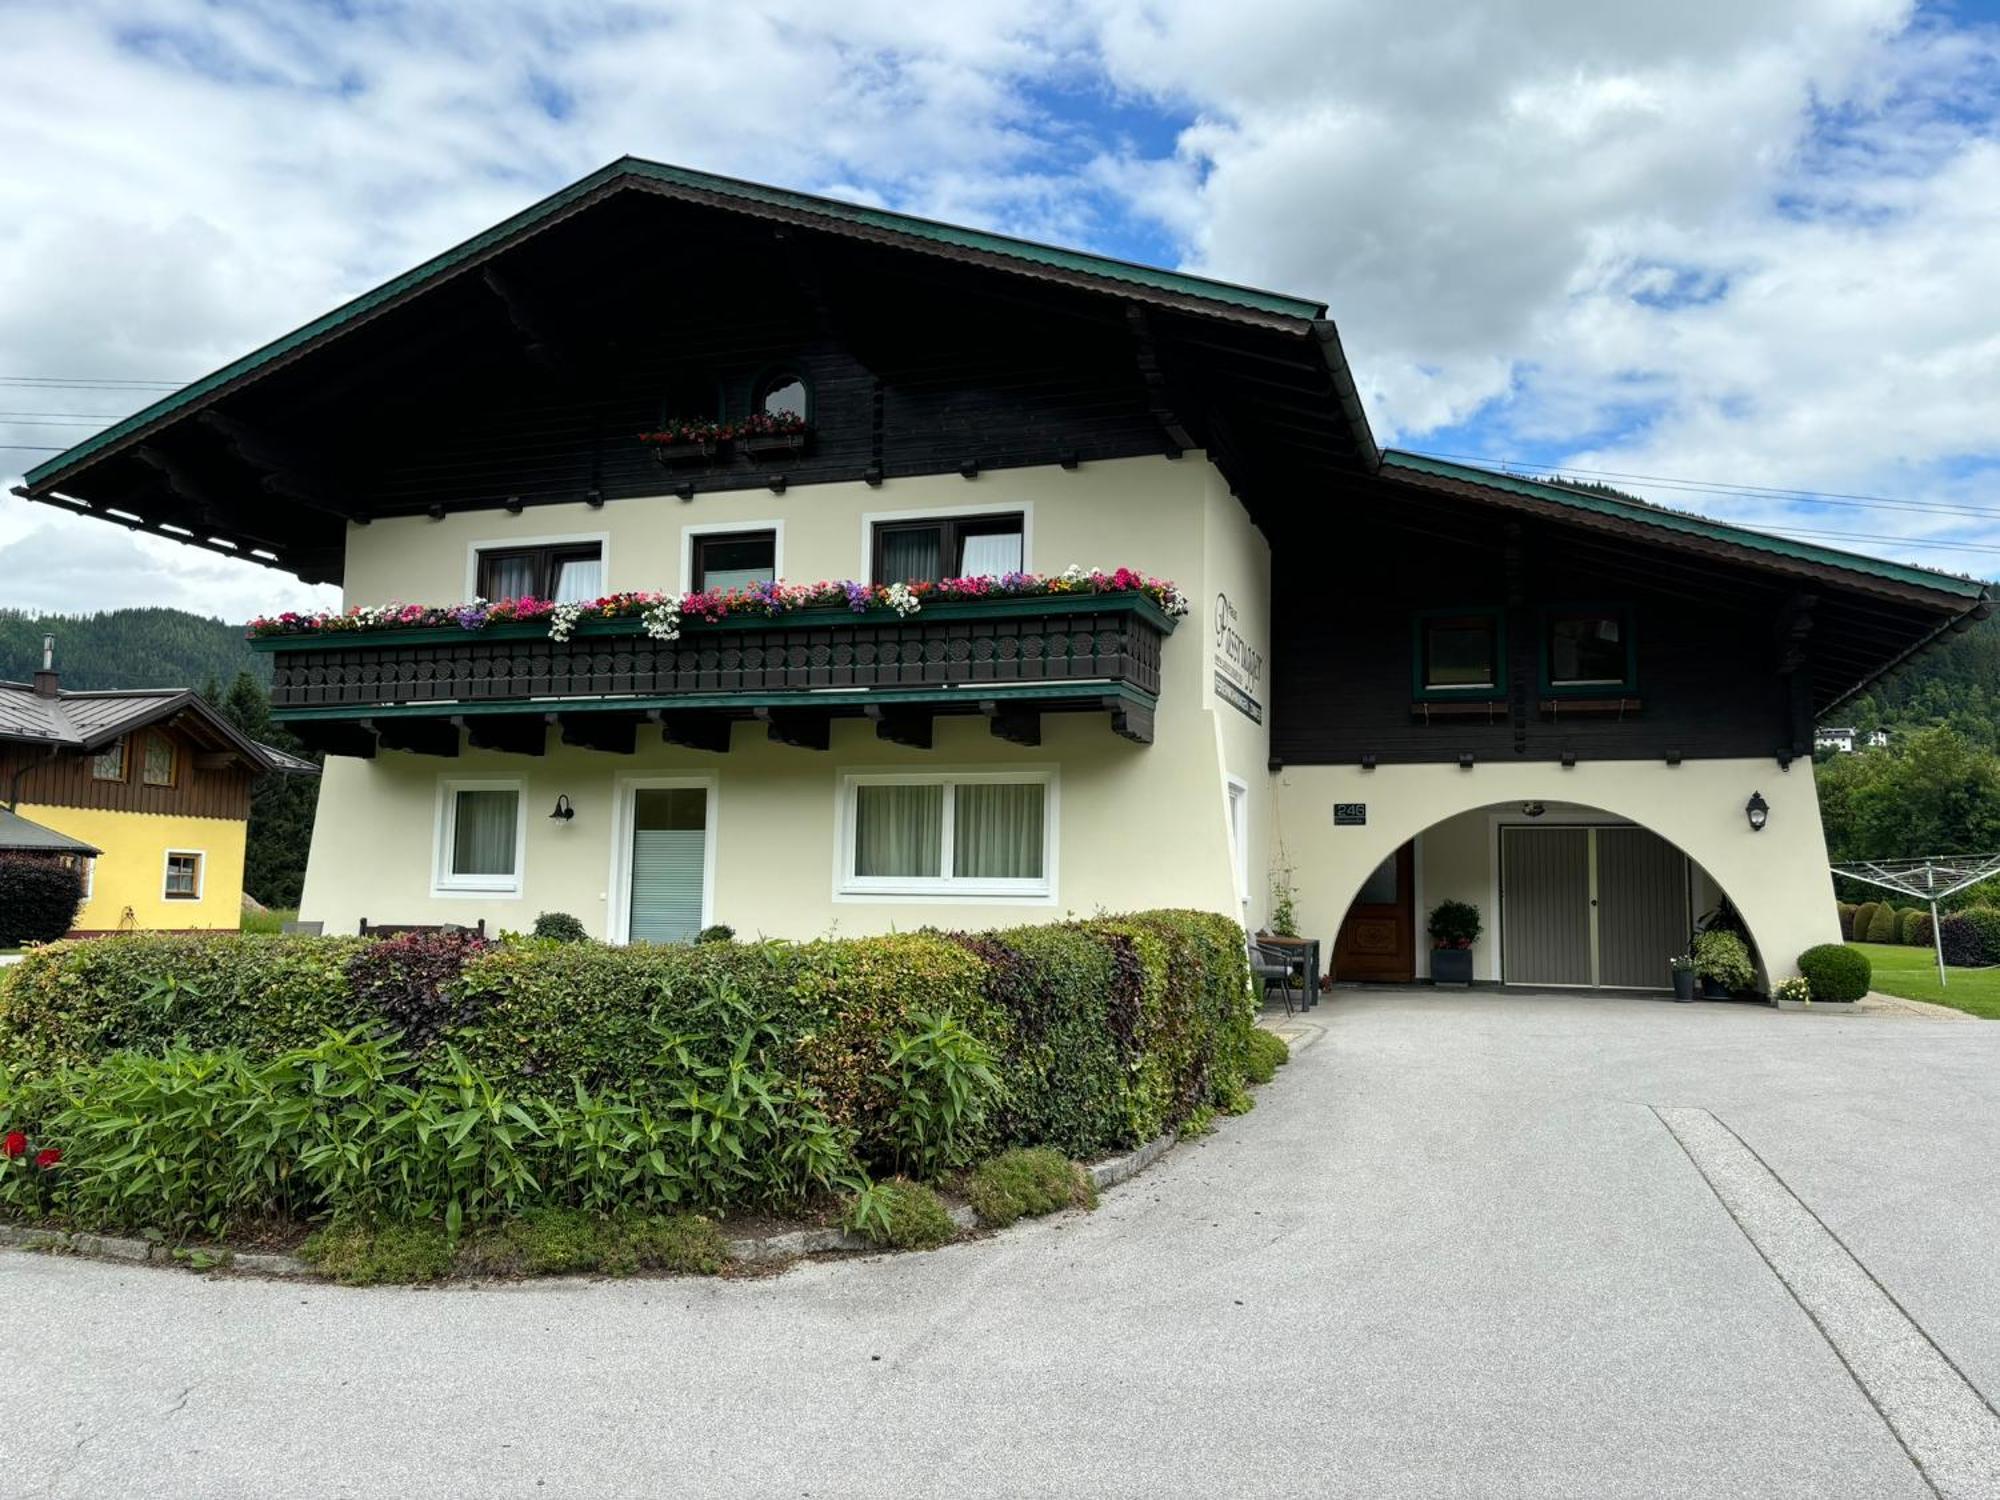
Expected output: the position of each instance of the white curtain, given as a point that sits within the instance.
(997, 831)
(990, 556)
(482, 835)
(579, 581)
(911, 557)
(510, 577)
(898, 830)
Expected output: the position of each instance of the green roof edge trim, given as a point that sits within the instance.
(1721, 531)
(1027, 251)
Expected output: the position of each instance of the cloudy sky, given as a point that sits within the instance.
(1740, 257)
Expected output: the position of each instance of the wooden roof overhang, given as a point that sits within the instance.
(1842, 618)
(501, 371)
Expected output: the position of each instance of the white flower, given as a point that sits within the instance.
(1074, 573)
(562, 621)
(902, 600)
(662, 620)
(1174, 602)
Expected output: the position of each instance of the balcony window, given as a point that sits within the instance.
(567, 572)
(949, 834)
(732, 559)
(926, 551)
(183, 878)
(480, 832)
(109, 763)
(157, 769)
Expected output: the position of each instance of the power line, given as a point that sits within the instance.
(32, 448)
(84, 382)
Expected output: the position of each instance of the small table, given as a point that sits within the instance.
(1305, 960)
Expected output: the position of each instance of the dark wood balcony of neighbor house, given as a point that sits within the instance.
(501, 688)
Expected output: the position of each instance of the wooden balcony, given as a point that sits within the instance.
(1011, 660)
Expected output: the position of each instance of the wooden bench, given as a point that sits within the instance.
(401, 929)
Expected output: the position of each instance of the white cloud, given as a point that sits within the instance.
(1746, 242)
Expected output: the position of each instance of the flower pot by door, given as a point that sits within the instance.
(1451, 966)
(1684, 984)
(1710, 990)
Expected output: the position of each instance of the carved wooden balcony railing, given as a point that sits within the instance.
(1009, 658)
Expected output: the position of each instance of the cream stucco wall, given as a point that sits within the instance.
(1778, 878)
(1138, 825)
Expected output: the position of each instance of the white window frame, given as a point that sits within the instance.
(89, 871)
(618, 920)
(200, 858)
(510, 543)
(945, 887)
(870, 519)
(443, 881)
(723, 528)
(1236, 804)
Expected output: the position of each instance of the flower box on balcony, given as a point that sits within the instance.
(703, 451)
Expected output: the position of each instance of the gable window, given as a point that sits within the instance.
(783, 393)
(732, 559)
(183, 880)
(567, 572)
(954, 547)
(109, 763)
(157, 768)
(948, 834)
(1587, 648)
(479, 837)
(1460, 652)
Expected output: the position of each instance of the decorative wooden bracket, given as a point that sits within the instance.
(804, 729)
(1130, 720)
(516, 734)
(1159, 393)
(693, 731)
(541, 346)
(901, 726)
(1023, 726)
(418, 736)
(285, 469)
(613, 733)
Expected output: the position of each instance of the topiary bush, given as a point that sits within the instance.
(559, 927)
(39, 899)
(1864, 918)
(1882, 925)
(1910, 925)
(1920, 930)
(1836, 972)
(1845, 909)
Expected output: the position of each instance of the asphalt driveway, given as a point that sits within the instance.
(1473, 1246)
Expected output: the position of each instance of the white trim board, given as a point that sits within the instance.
(490, 887)
(918, 891)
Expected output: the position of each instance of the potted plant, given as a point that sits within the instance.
(1723, 962)
(1683, 967)
(684, 440)
(1284, 919)
(1454, 928)
(768, 433)
(1793, 994)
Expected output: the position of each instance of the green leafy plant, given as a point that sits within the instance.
(1454, 924)
(560, 927)
(719, 932)
(1722, 958)
(1835, 972)
(942, 1089)
(901, 1215)
(1284, 917)
(1267, 1053)
(1027, 1183)
(360, 1253)
(1797, 990)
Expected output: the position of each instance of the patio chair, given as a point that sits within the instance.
(1273, 965)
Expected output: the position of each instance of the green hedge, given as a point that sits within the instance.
(1836, 972)
(1104, 1033)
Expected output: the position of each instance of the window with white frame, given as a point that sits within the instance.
(956, 833)
(566, 572)
(480, 833)
(1239, 839)
(183, 877)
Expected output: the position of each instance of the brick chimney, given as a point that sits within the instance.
(45, 680)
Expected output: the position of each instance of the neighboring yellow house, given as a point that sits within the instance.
(153, 782)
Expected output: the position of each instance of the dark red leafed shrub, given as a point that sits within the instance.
(39, 898)
(1920, 930)
(412, 982)
(1962, 939)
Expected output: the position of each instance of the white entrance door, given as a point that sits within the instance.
(1598, 906)
(666, 860)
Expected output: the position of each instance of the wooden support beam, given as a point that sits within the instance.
(285, 469)
(1130, 720)
(209, 513)
(1011, 721)
(695, 731)
(804, 728)
(516, 734)
(335, 737)
(1159, 394)
(530, 322)
(901, 726)
(613, 733)
(418, 736)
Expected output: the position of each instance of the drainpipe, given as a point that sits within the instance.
(14, 784)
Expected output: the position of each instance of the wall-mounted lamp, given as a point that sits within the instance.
(564, 812)
(1533, 809)
(1758, 811)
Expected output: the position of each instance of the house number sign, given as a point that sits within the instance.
(1350, 814)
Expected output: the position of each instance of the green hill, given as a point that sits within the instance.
(129, 648)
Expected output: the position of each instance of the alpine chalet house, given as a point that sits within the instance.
(581, 479)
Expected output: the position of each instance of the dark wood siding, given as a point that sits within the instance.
(66, 781)
(1345, 604)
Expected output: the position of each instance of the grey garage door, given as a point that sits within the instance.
(1590, 906)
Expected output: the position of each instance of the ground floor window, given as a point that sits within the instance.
(480, 831)
(183, 878)
(948, 833)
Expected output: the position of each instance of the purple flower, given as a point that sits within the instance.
(859, 596)
(470, 616)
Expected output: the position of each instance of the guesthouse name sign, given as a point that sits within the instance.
(1239, 666)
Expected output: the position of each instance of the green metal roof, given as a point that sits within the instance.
(1648, 514)
(1223, 295)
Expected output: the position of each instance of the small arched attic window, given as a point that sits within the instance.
(783, 394)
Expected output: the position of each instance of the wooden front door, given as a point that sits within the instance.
(1378, 939)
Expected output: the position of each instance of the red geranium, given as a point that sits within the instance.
(48, 1158)
(16, 1144)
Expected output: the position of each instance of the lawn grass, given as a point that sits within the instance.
(269, 923)
(1912, 973)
